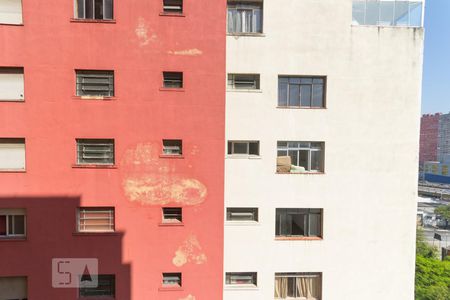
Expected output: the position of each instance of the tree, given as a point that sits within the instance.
(444, 211)
(432, 275)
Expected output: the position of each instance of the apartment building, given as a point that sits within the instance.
(322, 126)
(112, 121)
(429, 132)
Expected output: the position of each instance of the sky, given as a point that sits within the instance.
(436, 72)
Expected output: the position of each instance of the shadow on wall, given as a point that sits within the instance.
(51, 232)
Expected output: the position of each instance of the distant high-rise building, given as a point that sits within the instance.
(429, 129)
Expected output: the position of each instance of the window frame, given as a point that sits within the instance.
(306, 214)
(253, 211)
(15, 141)
(21, 23)
(252, 275)
(243, 5)
(231, 82)
(173, 11)
(312, 84)
(310, 150)
(170, 148)
(104, 12)
(94, 141)
(174, 217)
(296, 275)
(106, 74)
(17, 71)
(169, 83)
(177, 275)
(93, 289)
(98, 209)
(231, 150)
(13, 213)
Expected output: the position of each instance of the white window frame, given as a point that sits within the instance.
(303, 148)
(230, 152)
(244, 5)
(252, 212)
(13, 212)
(253, 276)
(111, 219)
(93, 10)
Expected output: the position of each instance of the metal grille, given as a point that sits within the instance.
(90, 151)
(106, 287)
(173, 6)
(172, 215)
(173, 79)
(243, 81)
(95, 83)
(96, 219)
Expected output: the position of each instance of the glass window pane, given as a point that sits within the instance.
(258, 20)
(303, 160)
(358, 12)
(19, 225)
(306, 80)
(108, 9)
(80, 9)
(240, 148)
(99, 9)
(254, 148)
(294, 80)
(282, 92)
(2, 225)
(294, 95)
(89, 14)
(415, 14)
(372, 13)
(305, 93)
(314, 225)
(387, 13)
(294, 157)
(285, 224)
(277, 222)
(298, 224)
(316, 161)
(317, 98)
(401, 13)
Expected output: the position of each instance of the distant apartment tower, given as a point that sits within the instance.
(443, 148)
(322, 105)
(429, 140)
(112, 121)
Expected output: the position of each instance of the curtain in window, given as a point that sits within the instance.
(281, 287)
(244, 19)
(308, 287)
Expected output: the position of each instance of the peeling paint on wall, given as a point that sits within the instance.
(142, 33)
(188, 52)
(151, 180)
(189, 297)
(189, 251)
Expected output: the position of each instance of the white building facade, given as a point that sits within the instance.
(323, 112)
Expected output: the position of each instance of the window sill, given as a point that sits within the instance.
(249, 34)
(242, 223)
(9, 24)
(13, 171)
(171, 156)
(170, 288)
(12, 100)
(92, 233)
(387, 26)
(243, 91)
(231, 156)
(171, 14)
(106, 98)
(251, 287)
(299, 107)
(93, 166)
(301, 173)
(162, 224)
(74, 20)
(307, 238)
(13, 239)
(97, 298)
(163, 89)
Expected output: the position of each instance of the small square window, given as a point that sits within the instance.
(241, 278)
(172, 215)
(173, 6)
(243, 81)
(12, 223)
(95, 151)
(250, 148)
(94, 9)
(242, 214)
(95, 83)
(11, 84)
(172, 147)
(106, 287)
(96, 219)
(12, 154)
(171, 280)
(173, 80)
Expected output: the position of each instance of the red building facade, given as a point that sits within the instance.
(429, 130)
(122, 112)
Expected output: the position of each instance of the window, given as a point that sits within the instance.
(298, 286)
(11, 84)
(96, 219)
(95, 83)
(12, 223)
(14, 288)
(173, 6)
(95, 151)
(243, 148)
(94, 9)
(171, 280)
(172, 147)
(298, 222)
(242, 214)
(388, 12)
(12, 154)
(240, 279)
(11, 12)
(106, 287)
(172, 215)
(304, 156)
(173, 80)
(245, 16)
(243, 81)
(301, 91)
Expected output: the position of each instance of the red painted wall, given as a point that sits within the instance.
(429, 129)
(139, 46)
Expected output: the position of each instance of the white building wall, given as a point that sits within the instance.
(371, 133)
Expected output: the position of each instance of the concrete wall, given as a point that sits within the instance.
(138, 46)
(370, 128)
